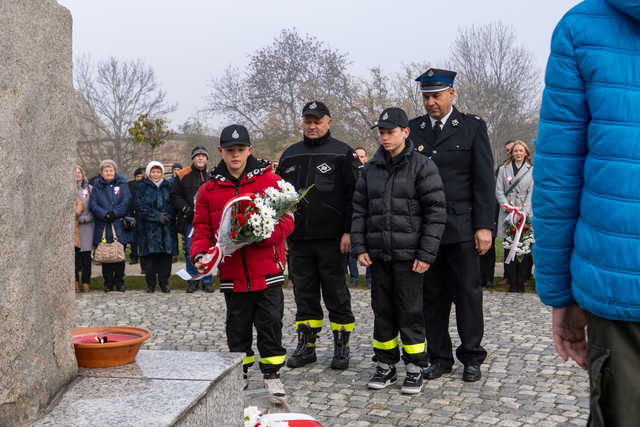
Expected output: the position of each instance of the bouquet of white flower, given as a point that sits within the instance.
(249, 218)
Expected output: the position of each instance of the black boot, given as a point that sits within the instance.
(306, 350)
(193, 286)
(340, 349)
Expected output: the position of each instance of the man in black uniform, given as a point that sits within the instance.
(321, 238)
(458, 143)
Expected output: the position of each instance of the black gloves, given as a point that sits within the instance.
(163, 218)
(187, 211)
(110, 217)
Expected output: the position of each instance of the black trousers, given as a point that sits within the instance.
(83, 266)
(613, 361)
(453, 278)
(519, 272)
(133, 255)
(487, 265)
(157, 267)
(264, 310)
(113, 275)
(396, 299)
(318, 266)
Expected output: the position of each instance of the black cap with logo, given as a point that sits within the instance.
(392, 118)
(234, 135)
(316, 109)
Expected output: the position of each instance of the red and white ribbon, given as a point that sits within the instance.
(518, 219)
(224, 246)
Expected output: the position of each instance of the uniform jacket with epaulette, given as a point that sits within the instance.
(331, 167)
(463, 156)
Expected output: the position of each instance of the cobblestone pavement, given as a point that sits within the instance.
(524, 382)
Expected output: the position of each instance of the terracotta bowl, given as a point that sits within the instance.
(123, 343)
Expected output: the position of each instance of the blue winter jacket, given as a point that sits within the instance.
(151, 202)
(113, 196)
(586, 196)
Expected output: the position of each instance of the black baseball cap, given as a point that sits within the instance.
(316, 109)
(234, 135)
(392, 118)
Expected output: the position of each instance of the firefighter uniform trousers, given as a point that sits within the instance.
(318, 266)
(453, 278)
(264, 309)
(396, 299)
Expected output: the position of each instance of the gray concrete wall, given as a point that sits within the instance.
(37, 193)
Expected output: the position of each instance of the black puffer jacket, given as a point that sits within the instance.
(399, 209)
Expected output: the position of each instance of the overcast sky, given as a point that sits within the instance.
(189, 41)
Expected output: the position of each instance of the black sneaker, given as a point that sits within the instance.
(193, 286)
(207, 287)
(412, 383)
(383, 378)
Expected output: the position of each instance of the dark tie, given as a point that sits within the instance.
(437, 129)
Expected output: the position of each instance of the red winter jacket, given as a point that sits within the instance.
(255, 266)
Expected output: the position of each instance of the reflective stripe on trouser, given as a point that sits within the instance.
(396, 298)
(339, 326)
(312, 323)
(248, 361)
(262, 309)
(317, 268)
(273, 360)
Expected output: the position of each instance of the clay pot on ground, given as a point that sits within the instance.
(120, 347)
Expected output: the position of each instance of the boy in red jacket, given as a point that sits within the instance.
(252, 277)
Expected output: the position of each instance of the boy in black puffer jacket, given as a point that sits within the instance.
(398, 218)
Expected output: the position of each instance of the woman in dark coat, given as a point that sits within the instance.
(109, 203)
(157, 241)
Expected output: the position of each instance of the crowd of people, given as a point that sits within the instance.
(420, 216)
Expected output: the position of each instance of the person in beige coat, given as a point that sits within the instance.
(514, 186)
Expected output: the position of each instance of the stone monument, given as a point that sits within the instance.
(37, 192)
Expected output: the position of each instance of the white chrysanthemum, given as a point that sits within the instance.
(267, 212)
(251, 416)
(286, 187)
(272, 194)
(260, 202)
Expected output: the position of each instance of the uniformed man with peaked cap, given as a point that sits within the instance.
(458, 143)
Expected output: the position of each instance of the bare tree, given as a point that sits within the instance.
(499, 81)
(279, 79)
(407, 91)
(117, 92)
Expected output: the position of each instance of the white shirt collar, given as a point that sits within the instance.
(443, 120)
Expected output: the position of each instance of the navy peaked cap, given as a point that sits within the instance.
(435, 80)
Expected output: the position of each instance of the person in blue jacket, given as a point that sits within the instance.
(156, 227)
(586, 199)
(109, 203)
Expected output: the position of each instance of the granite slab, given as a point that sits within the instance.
(161, 388)
(171, 365)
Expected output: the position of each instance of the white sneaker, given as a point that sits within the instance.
(273, 385)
